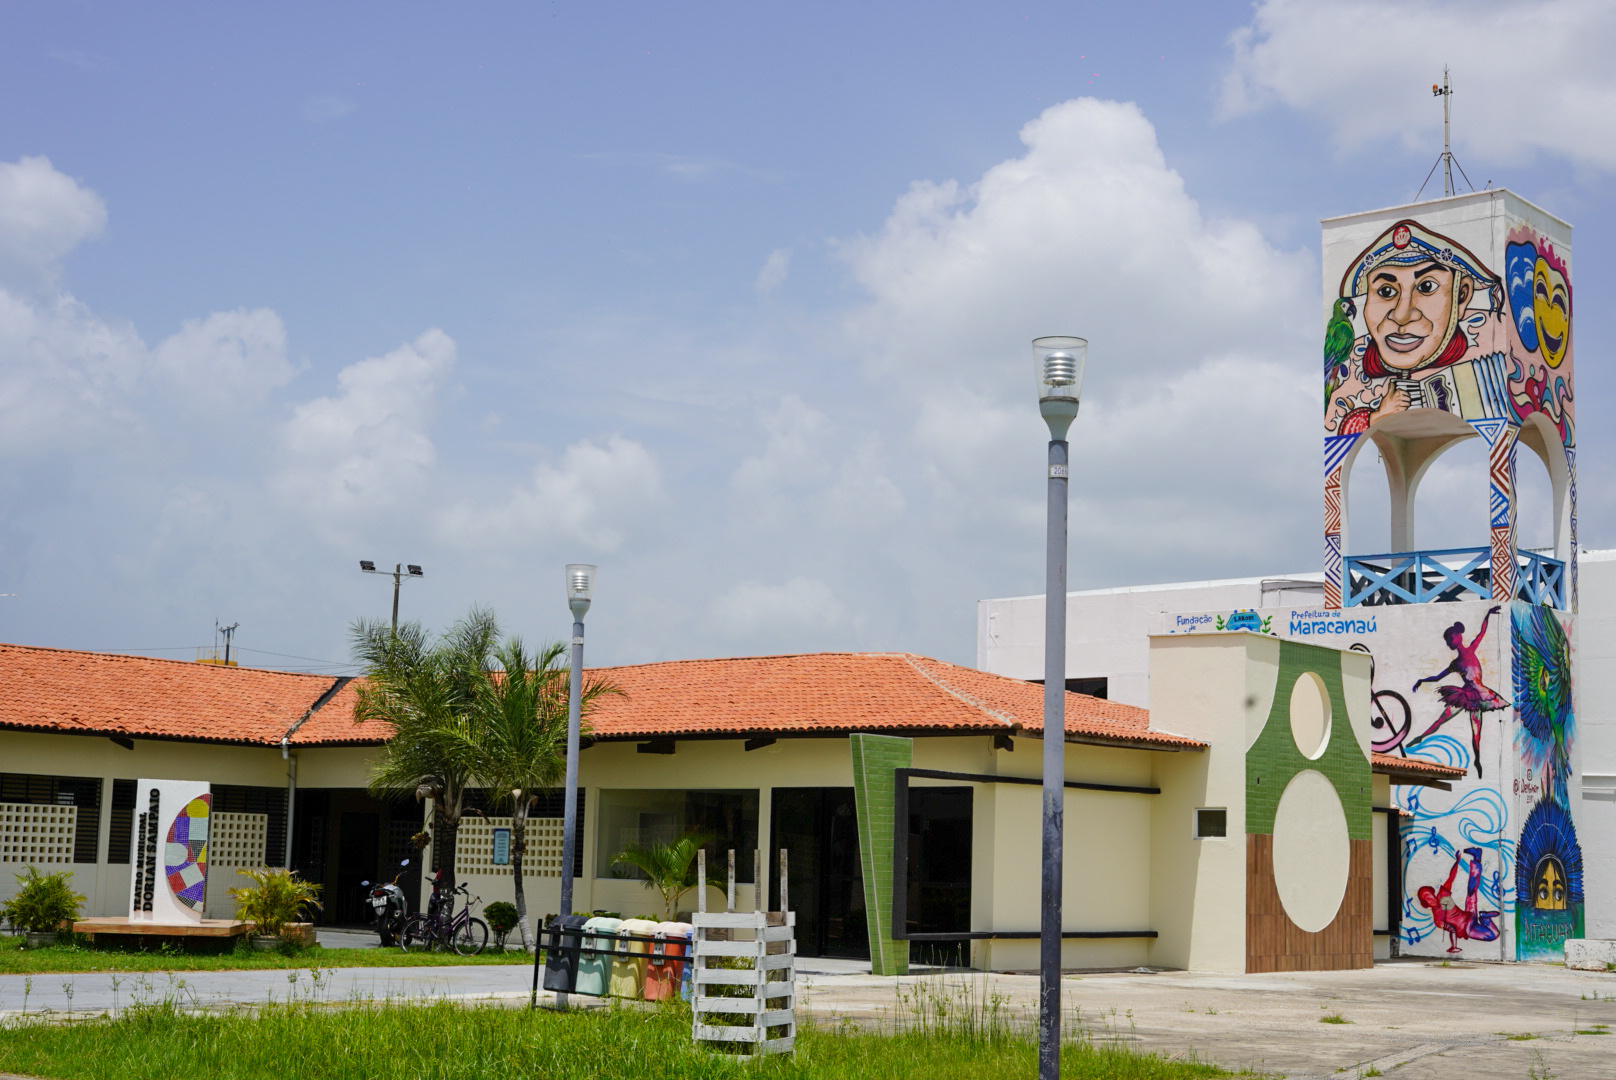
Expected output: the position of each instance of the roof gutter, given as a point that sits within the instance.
(319, 703)
(291, 762)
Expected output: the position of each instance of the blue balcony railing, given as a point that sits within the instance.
(1437, 577)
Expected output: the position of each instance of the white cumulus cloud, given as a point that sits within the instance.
(1198, 402)
(44, 214)
(228, 358)
(597, 495)
(367, 446)
(1530, 76)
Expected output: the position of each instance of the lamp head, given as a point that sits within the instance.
(580, 588)
(1059, 362)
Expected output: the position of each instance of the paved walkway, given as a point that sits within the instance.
(1424, 1020)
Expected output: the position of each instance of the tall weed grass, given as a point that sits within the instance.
(444, 1041)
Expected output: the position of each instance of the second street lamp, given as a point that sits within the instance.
(580, 594)
(1059, 362)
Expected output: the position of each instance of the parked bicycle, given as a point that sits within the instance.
(439, 927)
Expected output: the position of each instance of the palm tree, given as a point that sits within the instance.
(515, 741)
(671, 868)
(427, 691)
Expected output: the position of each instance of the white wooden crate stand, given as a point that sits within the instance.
(768, 941)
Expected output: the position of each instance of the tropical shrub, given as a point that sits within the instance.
(43, 901)
(669, 868)
(279, 897)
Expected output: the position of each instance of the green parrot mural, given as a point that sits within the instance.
(1338, 339)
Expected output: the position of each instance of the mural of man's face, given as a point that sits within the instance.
(1410, 311)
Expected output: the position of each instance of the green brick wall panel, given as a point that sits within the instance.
(1274, 758)
(875, 758)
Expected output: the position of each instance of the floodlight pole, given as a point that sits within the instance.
(398, 575)
(398, 579)
(1060, 362)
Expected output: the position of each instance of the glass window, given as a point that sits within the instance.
(1211, 822)
(657, 816)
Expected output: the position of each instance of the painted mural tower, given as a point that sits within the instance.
(1448, 321)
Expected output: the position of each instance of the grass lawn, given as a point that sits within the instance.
(450, 1042)
(16, 960)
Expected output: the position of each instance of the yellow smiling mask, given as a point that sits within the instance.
(1551, 304)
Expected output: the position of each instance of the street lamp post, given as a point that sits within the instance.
(580, 591)
(1060, 362)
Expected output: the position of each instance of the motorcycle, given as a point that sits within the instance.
(389, 907)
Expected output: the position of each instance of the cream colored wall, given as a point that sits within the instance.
(1108, 835)
(334, 766)
(106, 885)
(1107, 868)
(1216, 688)
(1105, 862)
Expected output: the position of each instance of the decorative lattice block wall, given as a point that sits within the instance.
(474, 848)
(35, 835)
(763, 1019)
(236, 842)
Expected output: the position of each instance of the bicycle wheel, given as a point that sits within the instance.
(1390, 722)
(470, 937)
(417, 935)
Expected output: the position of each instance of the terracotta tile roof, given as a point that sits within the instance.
(88, 693)
(815, 694)
(837, 693)
(1415, 770)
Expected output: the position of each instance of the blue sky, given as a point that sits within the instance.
(730, 299)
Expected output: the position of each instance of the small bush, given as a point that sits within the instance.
(43, 901)
(279, 898)
(501, 918)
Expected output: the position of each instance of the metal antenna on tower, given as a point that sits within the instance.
(1446, 160)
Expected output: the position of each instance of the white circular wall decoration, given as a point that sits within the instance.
(1310, 715)
(1312, 852)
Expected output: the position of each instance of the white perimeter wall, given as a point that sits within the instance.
(1106, 629)
(1596, 721)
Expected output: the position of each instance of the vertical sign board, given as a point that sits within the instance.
(502, 847)
(168, 856)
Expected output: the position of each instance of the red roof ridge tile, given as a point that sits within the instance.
(978, 703)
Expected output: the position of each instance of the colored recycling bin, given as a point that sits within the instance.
(665, 968)
(561, 956)
(628, 967)
(595, 968)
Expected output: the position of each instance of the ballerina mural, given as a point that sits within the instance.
(1471, 695)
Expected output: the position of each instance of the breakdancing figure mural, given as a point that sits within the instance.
(1445, 322)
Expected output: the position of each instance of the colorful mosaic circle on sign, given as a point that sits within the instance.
(186, 856)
